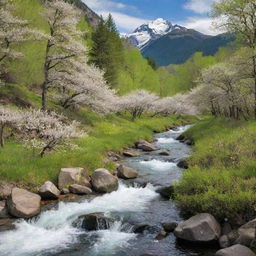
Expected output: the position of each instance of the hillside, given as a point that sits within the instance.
(177, 46)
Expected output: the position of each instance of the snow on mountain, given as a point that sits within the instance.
(150, 31)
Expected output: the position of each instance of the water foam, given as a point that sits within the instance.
(166, 140)
(157, 165)
(53, 230)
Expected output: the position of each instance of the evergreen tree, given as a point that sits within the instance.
(107, 52)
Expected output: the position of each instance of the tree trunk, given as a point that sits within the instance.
(44, 96)
(254, 74)
(2, 136)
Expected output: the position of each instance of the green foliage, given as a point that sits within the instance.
(107, 50)
(21, 165)
(222, 176)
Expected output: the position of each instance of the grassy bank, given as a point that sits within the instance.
(222, 176)
(105, 134)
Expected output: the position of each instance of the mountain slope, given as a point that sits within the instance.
(148, 32)
(177, 46)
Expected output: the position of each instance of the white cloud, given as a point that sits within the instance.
(203, 25)
(123, 21)
(126, 22)
(199, 6)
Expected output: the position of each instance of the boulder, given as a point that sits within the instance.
(79, 189)
(23, 204)
(103, 181)
(189, 142)
(166, 192)
(7, 224)
(69, 176)
(183, 164)
(224, 242)
(235, 250)
(170, 226)
(164, 153)
(140, 228)
(3, 210)
(201, 228)
(163, 234)
(95, 221)
(246, 234)
(65, 191)
(146, 146)
(126, 173)
(130, 153)
(5, 190)
(49, 191)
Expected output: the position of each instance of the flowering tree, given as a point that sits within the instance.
(13, 30)
(47, 131)
(138, 102)
(62, 45)
(8, 118)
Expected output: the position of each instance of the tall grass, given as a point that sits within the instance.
(222, 176)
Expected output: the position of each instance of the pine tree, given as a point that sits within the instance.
(107, 52)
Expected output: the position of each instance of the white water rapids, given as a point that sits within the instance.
(53, 230)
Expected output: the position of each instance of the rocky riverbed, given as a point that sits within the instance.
(128, 218)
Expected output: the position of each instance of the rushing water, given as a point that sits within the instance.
(53, 232)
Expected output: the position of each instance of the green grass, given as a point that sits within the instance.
(111, 133)
(222, 176)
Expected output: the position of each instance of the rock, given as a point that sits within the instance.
(246, 234)
(69, 176)
(169, 227)
(189, 142)
(235, 250)
(103, 181)
(65, 191)
(163, 234)
(124, 172)
(113, 156)
(23, 204)
(181, 137)
(146, 146)
(164, 153)
(5, 190)
(49, 191)
(226, 228)
(3, 210)
(166, 192)
(79, 189)
(7, 224)
(224, 242)
(130, 153)
(140, 228)
(96, 221)
(201, 228)
(183, 164)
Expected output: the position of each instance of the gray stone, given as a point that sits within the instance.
(103, 181)
(96, 221)
(170, 226)
(202, 228)
(49, 191)
(79, 189)
(163, 234)
(23, 204)
(166, 192)
(130, 153)
(5, 190)
(3, 210)
(246, 234)
(235, 250)
(164, 153)
(124, 172)
(65, 191)
(69, 176)
(224, 242)
(146, 146)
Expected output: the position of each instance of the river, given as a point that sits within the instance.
(53, 233)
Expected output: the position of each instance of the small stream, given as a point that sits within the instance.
(53, 232)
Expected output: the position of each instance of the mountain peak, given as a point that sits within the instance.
(150, 31)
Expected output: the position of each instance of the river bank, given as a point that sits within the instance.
(52, 233)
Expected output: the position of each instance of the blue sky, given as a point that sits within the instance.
(129, 14)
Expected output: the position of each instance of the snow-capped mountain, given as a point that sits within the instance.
(150, 31)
